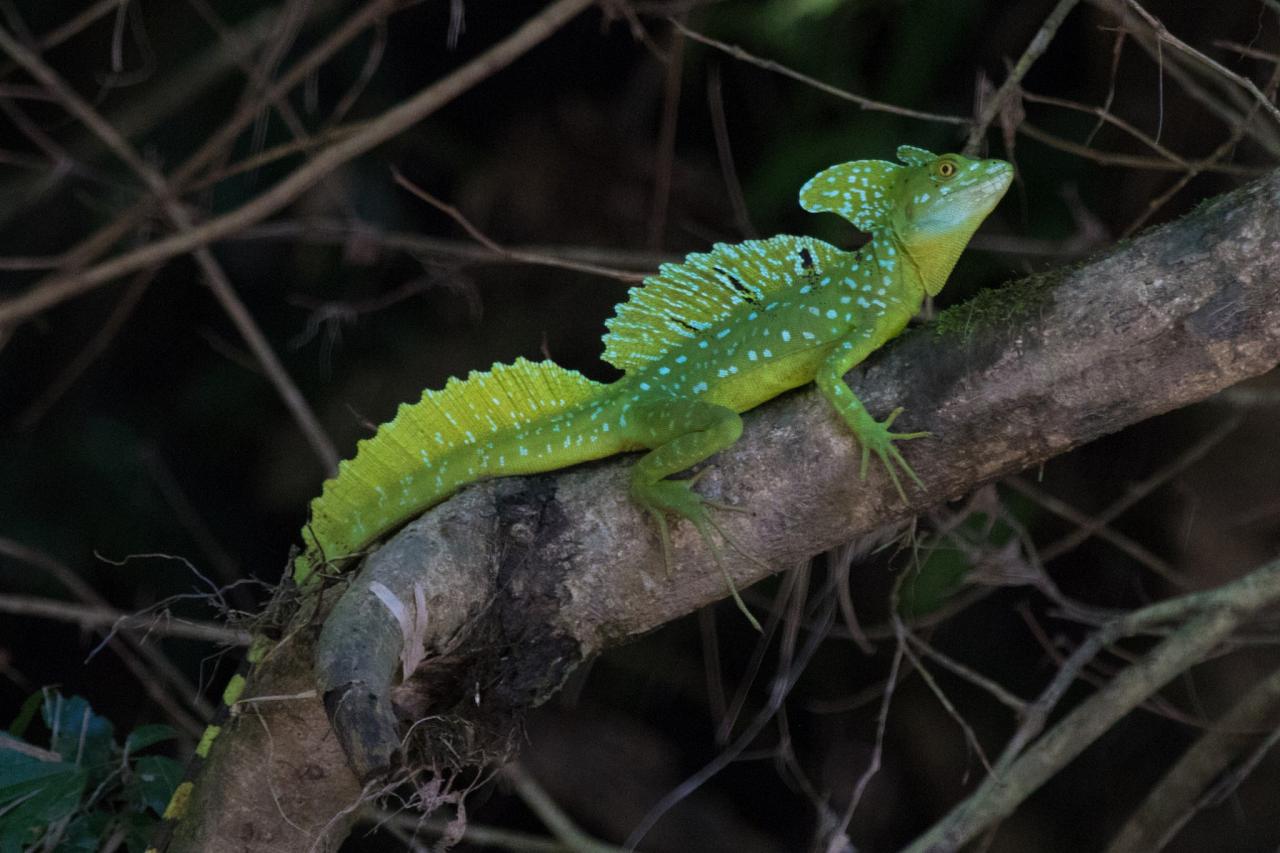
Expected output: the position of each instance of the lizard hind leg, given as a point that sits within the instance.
(682, 433)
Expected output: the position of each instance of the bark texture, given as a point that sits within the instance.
(525, 578)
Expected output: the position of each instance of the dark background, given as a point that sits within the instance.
(170, 443)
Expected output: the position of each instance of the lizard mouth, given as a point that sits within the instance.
(992, 180)
(1000, 176)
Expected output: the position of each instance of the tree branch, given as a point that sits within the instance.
(525, 578)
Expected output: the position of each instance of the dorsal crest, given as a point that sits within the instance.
(683, 300)
(860, 191)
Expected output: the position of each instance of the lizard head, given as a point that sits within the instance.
(931, 204)
(939, 202)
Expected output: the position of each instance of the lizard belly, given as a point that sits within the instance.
(754, 384)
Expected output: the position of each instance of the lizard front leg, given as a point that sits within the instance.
(874, 436)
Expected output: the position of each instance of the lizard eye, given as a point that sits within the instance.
(946, 169)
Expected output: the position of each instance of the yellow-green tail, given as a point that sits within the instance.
(469, 430)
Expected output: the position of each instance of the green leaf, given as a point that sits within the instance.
(79, 735)
(86, 832)
(148, 735)
(139, 829)
(33, 795)
(939, 577)
(154, 780)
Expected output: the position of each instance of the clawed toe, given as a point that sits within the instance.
(676, 497)
(881, 442)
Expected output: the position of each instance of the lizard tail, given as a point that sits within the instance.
(450, 438)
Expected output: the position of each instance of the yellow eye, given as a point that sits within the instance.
(946, 169)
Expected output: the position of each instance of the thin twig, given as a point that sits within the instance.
(1109, 118)
(490, 837)
(1117, 49)
(126, 644)
(258, 82)
(1039, 44)
(664, 156)
(1223, 150)
(84, 359)
(391, 123)
(769, 65)
(1264, 133)
(512, 254)
(1246, 50)
(215, 277)
(882, 724)
(1134, 161)
(343, 232)
(781, 688)
(1162, 32)
(724, 149)
(1138, 491)
(971, 738)
(109, 235)
(270, 155)
(997, 691)
(1106, 533)
(78, 23)
(551, 815)
(150, 624)
(1213, 616)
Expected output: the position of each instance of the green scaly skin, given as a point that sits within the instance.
(699, 343)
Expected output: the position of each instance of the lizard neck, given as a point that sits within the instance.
(930, 257)
(900, 269)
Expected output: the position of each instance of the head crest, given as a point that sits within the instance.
(860, 191)
(914, 156)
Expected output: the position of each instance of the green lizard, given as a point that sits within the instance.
(698, 343)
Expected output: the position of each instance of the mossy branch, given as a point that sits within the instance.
(525, 578)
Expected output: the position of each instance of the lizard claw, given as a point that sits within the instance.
(879, 440)
(678, 498)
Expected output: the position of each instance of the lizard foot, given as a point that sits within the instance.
(678, 498)
(877, 439)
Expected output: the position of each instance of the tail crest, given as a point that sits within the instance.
(420, 457)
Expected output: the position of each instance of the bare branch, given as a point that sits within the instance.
(1220, 612)
(149, 624)
(1199, 299)
(778, 68)
(217, 280)
(519, 256)
(391, 123)
(1013, 83)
